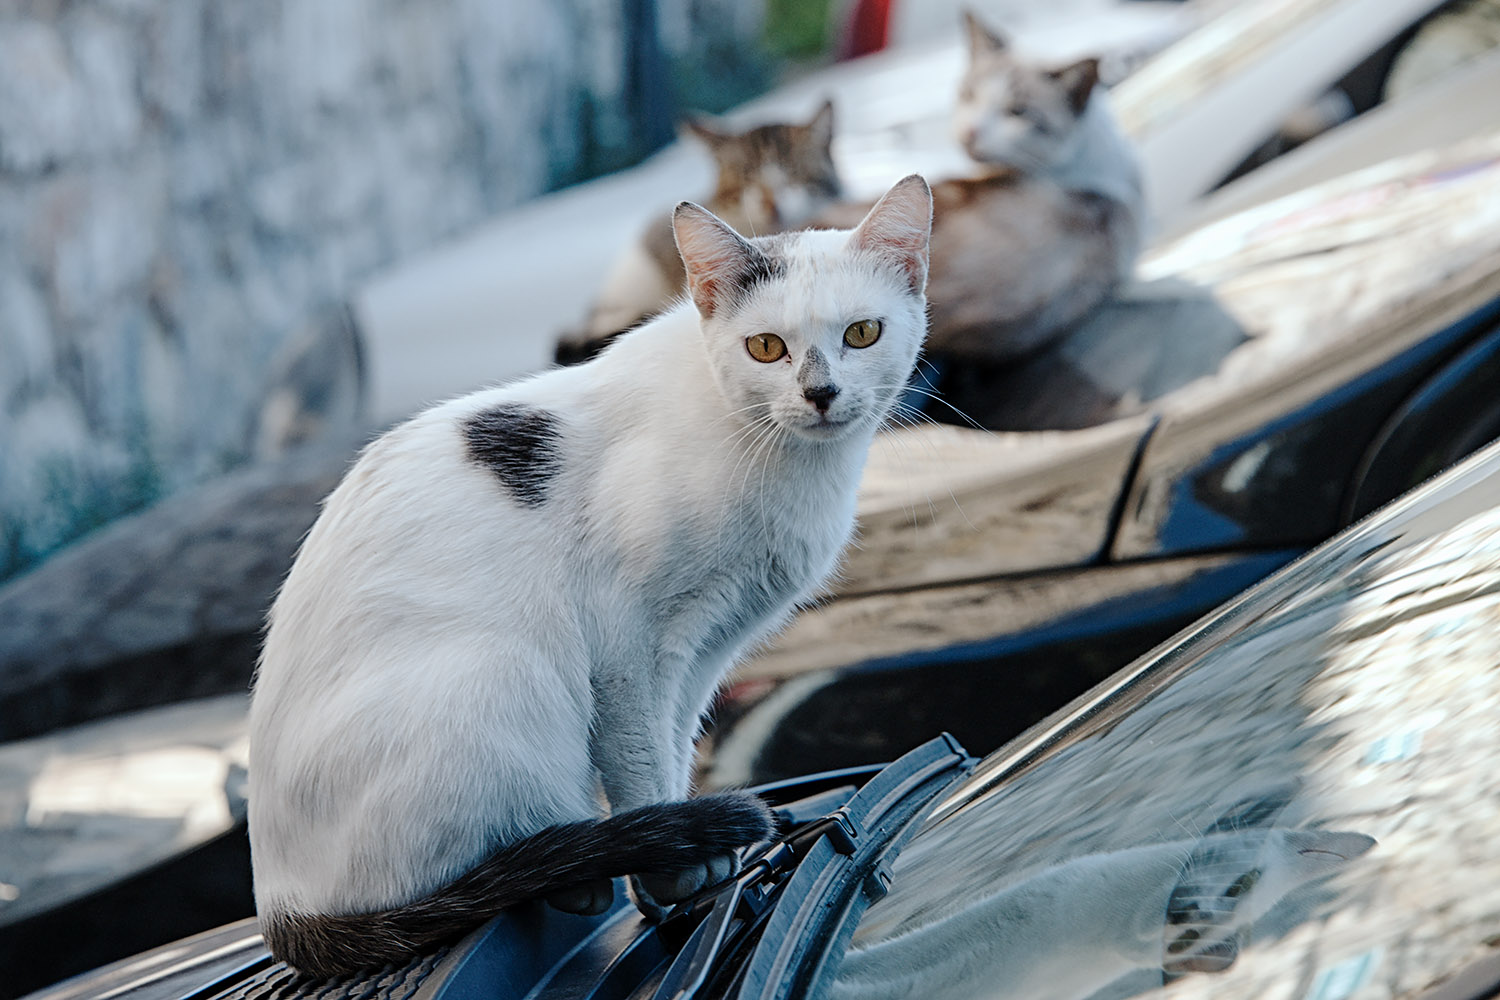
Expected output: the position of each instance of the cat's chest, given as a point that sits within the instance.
(762, 551)
(711, 568)
(719, 604)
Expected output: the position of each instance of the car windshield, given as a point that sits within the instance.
(1301, 802)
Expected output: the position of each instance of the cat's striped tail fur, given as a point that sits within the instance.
(658, 838)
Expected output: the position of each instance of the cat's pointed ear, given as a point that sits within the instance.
(821, 126)
(1078, 82)
(899, 228)
(704, 130)
(982, 41)
(719, 261)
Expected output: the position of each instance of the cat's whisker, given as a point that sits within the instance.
(899, 444)
(747, 430)
(898, 448)
(726, 416)
(771, 443)
(905, 409)
(937, 397)
(746, 454)
(759, 445)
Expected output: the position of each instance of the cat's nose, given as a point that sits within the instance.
(820, 396)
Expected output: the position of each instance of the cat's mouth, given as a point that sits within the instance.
(825, 428)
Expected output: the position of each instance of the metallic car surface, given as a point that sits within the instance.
(1353, 328)
(1356, 691)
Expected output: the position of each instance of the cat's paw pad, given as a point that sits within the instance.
(673, 887)
(588, 900)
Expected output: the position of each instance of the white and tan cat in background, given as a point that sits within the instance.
(1053, 220)
(528, 594)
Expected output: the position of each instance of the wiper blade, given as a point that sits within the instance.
(746, 897)
(863, 826)
(824, 897)
(689, 971)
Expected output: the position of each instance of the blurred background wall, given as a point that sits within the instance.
(189, 188)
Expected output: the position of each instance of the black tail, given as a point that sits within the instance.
(658, 838)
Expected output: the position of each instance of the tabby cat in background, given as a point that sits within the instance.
(770, 178)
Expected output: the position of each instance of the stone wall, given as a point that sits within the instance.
(189, 189)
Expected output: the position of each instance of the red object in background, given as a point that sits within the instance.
(869, 28)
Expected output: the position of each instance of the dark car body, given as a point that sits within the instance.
(1346, 706)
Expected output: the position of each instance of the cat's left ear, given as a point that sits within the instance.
(899, 228)
(704, 130)
(982, 41)
(821, 126)
(1078, 81)
(719, 261)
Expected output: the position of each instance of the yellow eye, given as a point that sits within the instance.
(766, 347)
(862, 334)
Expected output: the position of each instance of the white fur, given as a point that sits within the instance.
(1100, 160)
(447, 669)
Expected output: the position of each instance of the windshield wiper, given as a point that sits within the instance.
(847, 843)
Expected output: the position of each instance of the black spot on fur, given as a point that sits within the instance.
(761, 267)
(520, 445)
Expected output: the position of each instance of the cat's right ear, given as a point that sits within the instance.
(703, 130)
(1078, 82)
(719, 261)
(982, 41)
(899, 228)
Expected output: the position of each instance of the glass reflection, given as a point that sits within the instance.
(1305, 811)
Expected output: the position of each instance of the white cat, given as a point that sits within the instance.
(1055, 123)
(529, 594)
(1072, 929)
(1050, 224)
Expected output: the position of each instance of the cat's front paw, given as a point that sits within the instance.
(588, 900)
(656, 892)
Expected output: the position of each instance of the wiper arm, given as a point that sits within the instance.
(747, 897)
(824, 897)
(861, 828)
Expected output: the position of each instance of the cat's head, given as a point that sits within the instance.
(815, 333)
(773, 177)
(1230, 880)
(1015, 113)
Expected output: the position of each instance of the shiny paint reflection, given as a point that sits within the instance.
(1366, 679)
(869, 678)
